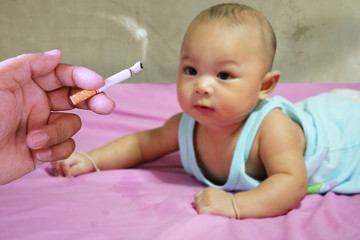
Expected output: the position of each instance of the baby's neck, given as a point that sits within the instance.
(222, 132)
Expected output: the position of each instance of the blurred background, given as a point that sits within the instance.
(318, 41)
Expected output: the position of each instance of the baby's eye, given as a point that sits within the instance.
(190, 71)
(224, 76)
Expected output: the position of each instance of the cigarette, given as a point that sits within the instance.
(109, 82)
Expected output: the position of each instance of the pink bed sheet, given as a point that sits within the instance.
(154, 200)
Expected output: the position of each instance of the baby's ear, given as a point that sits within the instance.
(268, 84)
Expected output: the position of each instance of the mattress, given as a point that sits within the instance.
(153, 201)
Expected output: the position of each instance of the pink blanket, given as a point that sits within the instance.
(154, 200)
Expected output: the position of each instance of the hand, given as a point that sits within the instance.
(32, 86)
(214, 201)
(75, 165)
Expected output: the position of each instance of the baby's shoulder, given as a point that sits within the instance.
(275, 117)
(173, 122)
(279, 129)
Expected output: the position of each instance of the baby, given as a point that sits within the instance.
(270, 152)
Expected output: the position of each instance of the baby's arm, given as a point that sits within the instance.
(125, 152)
(280, 148)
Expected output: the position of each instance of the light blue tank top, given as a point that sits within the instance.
(331, 125)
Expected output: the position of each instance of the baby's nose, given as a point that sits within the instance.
(204, 86)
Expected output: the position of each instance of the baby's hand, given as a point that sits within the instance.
(214, 201)
(75, 165)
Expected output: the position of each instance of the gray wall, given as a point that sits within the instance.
(319, 40)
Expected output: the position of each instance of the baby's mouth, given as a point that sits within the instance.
(204, 109)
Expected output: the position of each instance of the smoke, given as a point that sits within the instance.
(139, 33)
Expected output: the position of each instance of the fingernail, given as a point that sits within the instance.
(44, 154)
(51, 52)
(38, 140)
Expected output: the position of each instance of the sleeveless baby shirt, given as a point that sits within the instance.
(331, 124)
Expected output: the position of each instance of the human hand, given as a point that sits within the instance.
(32, 86)
(214, 201)
(75, 165)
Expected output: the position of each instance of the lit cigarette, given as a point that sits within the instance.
(109, 82)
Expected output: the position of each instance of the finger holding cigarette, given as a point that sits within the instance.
(109, 82)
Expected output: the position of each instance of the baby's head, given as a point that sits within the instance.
(232, 15)
(225, 64)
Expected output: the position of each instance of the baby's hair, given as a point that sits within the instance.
(234, 14)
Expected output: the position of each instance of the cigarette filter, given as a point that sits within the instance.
(109, 82)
